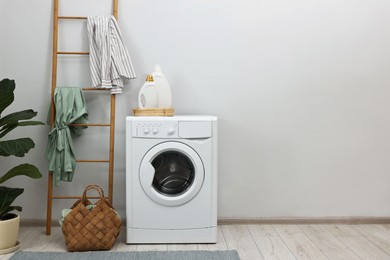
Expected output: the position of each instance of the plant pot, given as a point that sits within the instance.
(9, 230)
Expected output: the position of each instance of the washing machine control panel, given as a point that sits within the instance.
(151, 129)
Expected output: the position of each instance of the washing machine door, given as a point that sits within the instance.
(171, 173)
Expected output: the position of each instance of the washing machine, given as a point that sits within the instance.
(171, 179)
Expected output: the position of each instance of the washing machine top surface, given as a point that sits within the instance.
(172, 118)
(182, 127)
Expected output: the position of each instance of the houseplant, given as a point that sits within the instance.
(9, 222)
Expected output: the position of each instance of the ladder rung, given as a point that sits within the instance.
(75, 197)
(90, 124)
(72, 17)
(105, 89)
(93, 161)
(73, 52)
(96, 89)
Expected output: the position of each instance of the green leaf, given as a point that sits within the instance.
(17, 116)
(7, 196)
(27, 123)
(7, 88)
(17, 147)
(11, 121)
(18, 208)
(26, 169)
(8, 128)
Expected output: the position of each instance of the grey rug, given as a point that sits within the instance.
(147, 255)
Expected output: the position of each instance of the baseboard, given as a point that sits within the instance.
(259, 221)
(305, 220)
(37, 223)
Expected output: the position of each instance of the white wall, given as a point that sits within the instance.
(301, 89)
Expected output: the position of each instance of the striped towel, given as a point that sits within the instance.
(109, 58)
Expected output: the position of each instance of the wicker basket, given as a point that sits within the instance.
(95, 229)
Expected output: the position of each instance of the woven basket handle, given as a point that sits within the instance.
(93, 187)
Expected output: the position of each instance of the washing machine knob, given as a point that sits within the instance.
(146, 131)
(155, 131)
(171, 131)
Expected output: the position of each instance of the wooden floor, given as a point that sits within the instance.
(254, 242)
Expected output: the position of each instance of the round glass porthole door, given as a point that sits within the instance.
(171, 173)
(174, 173)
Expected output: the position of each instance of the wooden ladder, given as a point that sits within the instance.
(111, 125)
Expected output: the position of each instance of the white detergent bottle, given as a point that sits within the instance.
(163, 88)
(148, 96)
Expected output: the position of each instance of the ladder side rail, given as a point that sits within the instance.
(52, 113)
(111, 151)
(112, 129)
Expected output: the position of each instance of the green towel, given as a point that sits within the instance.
(70, 108)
